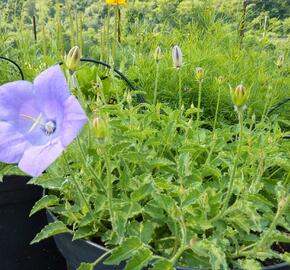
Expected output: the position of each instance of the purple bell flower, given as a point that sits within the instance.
(38, 121)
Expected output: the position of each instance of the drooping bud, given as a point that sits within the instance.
(280, 61)
(100, 128)
(157, 54)
(177, 57)
(199, 73)
(221, 80)
(240, 96)
(72, 59)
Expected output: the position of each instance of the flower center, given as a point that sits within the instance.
(49, 127)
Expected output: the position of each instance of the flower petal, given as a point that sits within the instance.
(51, 84)
(38, 158)
(12, 144)
(74, 120)
(12, 96)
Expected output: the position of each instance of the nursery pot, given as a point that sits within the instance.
(78, 251)
(18, 229)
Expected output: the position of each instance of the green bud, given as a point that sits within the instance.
(221, 80)
(157, 54)
(240, 96)
(199, 73)
(100, 128)
(280, 61)
(73, 58)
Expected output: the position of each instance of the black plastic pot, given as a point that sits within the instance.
(18, 229)
(76, 252)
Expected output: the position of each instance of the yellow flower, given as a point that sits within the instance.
(116, 2)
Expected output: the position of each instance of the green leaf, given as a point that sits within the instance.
(86, 266)
(250, 264)
(163, 265)
(50, 230)
(285, 257)
(142, 192)
(55, 183)
(147, 230)
(44, 202)
(139, 259)
(124, 251)
(83, 232)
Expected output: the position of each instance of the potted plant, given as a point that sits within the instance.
(151, 188)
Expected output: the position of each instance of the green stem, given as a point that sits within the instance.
(183, 245)
(102, 257)
(264, 238)
(198, 108)
(179, 88)
(266, 105)
(156, 84)
(109, 189)
(99, 182)
(80, 190)
(217, 108)
(233, 173)
(277, 218)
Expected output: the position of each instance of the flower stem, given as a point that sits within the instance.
(217, 108)
(233, 173)
(264, 238)
(99, 182)
(179, 88)
(79, 190)
(198, 108)
(156, 84)
(109, 189)
(183, 245)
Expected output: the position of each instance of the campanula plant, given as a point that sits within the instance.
(150, 184)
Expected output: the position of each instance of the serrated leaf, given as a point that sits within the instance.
(44, 202)
(50, 230)
(124, 251)
(141, 192)
(83, 232)
(139, 259)
(86, 266)
(147, 230)
(162, 265)
(55, 183)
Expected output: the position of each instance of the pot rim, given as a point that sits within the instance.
(270, 267)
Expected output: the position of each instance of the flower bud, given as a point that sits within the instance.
(100, 128)
(221, 80)
(72, 60)
(177, 57)
(199, 73)
(240, 95)
(157, 54)
(280, 61)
